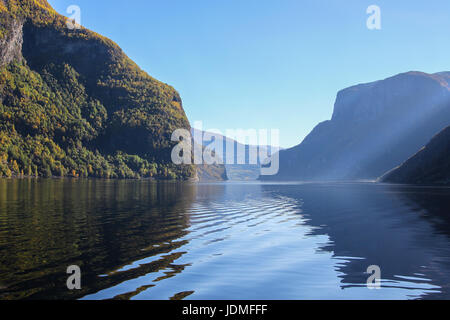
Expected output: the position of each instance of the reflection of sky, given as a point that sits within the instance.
(248, 241)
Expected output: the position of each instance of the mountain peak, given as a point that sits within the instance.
(369, 100)
(439, 77)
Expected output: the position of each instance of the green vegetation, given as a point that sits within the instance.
(77, 106)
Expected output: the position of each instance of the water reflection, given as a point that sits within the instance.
(145, 240)
(101, 226)
(383, 225)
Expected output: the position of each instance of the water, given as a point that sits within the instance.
(145, 240)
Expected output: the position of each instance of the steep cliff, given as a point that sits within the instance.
(430, 166)
(375, 127)
(73, 104)
(11, 42)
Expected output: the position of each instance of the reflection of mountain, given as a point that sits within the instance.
(374, 128)
(431, 165)
(143, 240)
(434, 206)
(98, 225)
(389, 226)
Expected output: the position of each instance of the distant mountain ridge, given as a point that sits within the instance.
(246, 171)
(374, 128)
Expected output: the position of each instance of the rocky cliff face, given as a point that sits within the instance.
(11, 42)
(397, 95)
(430, 166)
(374, 128)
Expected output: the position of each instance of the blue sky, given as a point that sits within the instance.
(270, 64)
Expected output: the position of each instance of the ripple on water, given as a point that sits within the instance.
(140, 240)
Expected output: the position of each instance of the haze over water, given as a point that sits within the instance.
(147, 240)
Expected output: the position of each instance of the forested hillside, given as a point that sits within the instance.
(73, 104)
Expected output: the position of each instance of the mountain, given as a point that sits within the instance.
(431, 165)
(244, 171)
(374, 128)
(211, 173)
(73, 104)
(207, 172)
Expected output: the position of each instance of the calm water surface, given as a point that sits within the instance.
(144, 240)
